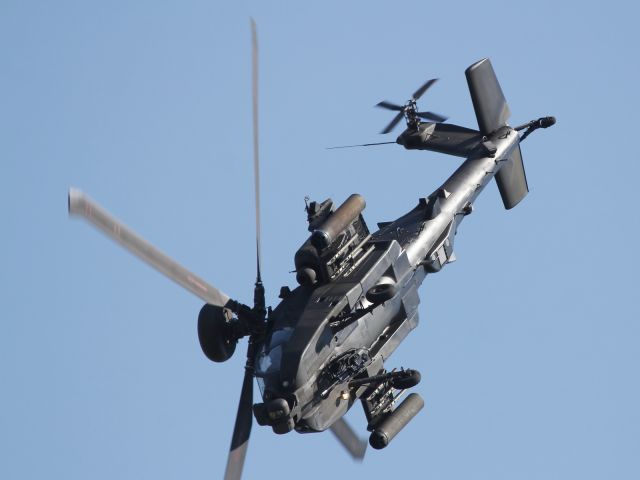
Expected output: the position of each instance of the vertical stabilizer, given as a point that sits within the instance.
(489, 103)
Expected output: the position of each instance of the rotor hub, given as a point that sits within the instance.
(410, 110)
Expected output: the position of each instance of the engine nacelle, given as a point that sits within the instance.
(338, 221)
(335, 234)
(215, 333)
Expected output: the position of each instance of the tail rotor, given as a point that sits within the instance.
(410, 111)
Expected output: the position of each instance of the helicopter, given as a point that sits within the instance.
(326, 344)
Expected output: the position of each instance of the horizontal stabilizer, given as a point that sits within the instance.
(512, 181)
(489, 103)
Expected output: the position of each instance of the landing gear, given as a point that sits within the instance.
(378, 294)
(215, 332)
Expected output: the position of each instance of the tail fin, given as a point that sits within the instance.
(492, 113)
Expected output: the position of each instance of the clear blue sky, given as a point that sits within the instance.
(528, 345)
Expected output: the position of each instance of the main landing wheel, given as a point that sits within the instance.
(382, 292)
(214, 332)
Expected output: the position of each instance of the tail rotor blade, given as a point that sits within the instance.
(393, 123)
(390, 106)
(82, 206)
(242, 429)
(418, 93)
(434, 117)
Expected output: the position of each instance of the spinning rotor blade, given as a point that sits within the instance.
(393, 123)
(418, 93)
(256, 152)
(244, 417)
(390, 106)
(242, 429)
(81, 205)
(349, 440)
(434, 117)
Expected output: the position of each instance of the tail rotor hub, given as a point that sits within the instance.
(410, 110)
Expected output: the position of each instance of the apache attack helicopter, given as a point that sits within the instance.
(324, 346)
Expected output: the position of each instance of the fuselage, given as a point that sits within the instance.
(322, 335)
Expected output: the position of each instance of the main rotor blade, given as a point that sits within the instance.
(349, 440)
(256, 152)
(418, 93)
(241, 430)
(434, 117)
(81, 205)
(393, 123)
(390, 106)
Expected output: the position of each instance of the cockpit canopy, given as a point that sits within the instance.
(269, 357)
